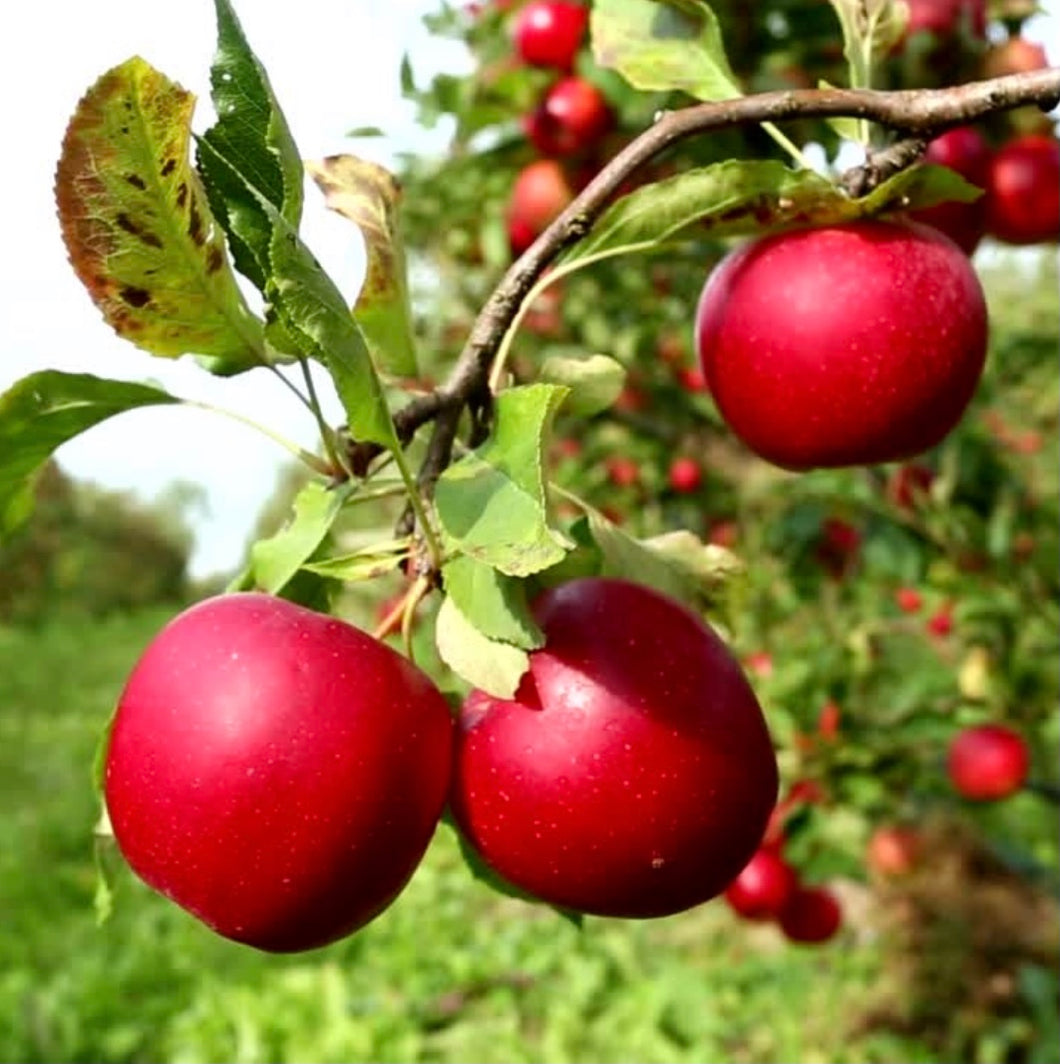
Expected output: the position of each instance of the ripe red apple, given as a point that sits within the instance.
(276, 772)
(811, 915)
(838, 546)
(572, 117)
(965, 151)
(840, 346)
(945, 18)
(1017, 55)
(988, 762)
(632, 774)
(685, 475)
(908, 599)
(893, 850)
(940, 623)
(1023, 190)
(762, 889)
(623, 472)
(549, 33)
(539, 194)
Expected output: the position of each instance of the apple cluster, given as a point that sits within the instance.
(279, 773)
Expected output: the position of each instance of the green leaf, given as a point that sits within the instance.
(915, 188)
(871, 28)
(274, 561)
(595, 382)
(314, 313)
(368, 196)
(492, 503)
(487, 664)
(661, 45)
(138, 228)
(494, 603)
(248, 156)
(43, 411)
(365, 564)
(106, 860)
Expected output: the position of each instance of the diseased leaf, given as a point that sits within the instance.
(708, 567)
(494, 603)
(138, 227)
(368, 196)
(314, 314)
(248, 156)
(43, 411)
(492, 503)
(487, 664)
(595, 382)
(662, 45)
(274, 561)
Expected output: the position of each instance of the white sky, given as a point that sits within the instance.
(334, 66)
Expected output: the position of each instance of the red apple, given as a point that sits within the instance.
(1023, 190)
(840, 346)
(622, 472)
(945, 18)
(893, 850)
(571, 118)
(539, 194)
(632, 774)
(940, 623)
(965, 151)
(838, 546)
(811, 915)
(988, 762)
(685, 475)
(908, 599)
(762, 889)
(828, 721)
(276, 772)
(549, 33)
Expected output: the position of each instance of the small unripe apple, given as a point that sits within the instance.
(965, 151)
(811, 915)
(276, 772)
(632, 774)
(988, 762)
(893, 850)
(540, 193)
(848, 345)
(685, 475)
(1023, 189)
(549, 33)
(763, 887)
(572, 117)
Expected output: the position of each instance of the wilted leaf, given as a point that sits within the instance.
(492, 502)
(494, 603)
(662, 45)
(487, 664)
(368, 196)
(595, 382)
(138, 227)
(43, 411)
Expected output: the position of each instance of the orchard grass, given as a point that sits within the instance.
(452, 972)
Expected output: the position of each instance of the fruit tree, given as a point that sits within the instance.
(702, 525)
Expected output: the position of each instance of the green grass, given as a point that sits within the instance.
(451, 972)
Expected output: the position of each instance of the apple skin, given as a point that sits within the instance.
(849, 345)
(632, 775)
(540, 193)
(1023, 190)
(276, 772)
(811, 915)
(571, 118)
(685, 475)
(988, 762)
(762, 889)
(548, 33)
(965, 151)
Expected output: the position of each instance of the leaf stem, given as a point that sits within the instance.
(315, 462)
(412, 489)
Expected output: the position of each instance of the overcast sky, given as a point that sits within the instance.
(334, 66)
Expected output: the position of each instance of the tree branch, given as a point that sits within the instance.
(917, 115)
